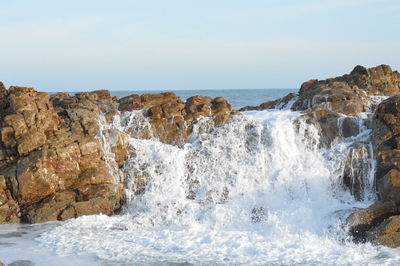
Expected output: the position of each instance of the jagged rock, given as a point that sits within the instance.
(171, 120)
(389, 186)
(52, 163)
(386, 142)
(388, 233)
(362, 221)
(119, 143)
(349, 127)
(9, 209)
(278, 103)
(356, 169)
(326, 122)
(332, 95)
(348, 94)
(3, 90)
(136, 102)
(50, 208)
(51, 159)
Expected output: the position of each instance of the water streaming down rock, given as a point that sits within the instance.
(266, 187)
(251, 191)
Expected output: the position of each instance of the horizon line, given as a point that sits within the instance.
(166, 90)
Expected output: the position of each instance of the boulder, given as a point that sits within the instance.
(3, 91)
(349, 126)
(356, 169)
(171, 120)
(376, 223)
(52, 163)
(280, 103)
(9, 208)
(326, 122)
(348, 94)
(388, 233)
(386, 143)
(136, 102)
(363, 221)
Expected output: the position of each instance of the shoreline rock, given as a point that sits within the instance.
(52, 162)
(331, 106)
(53, 165)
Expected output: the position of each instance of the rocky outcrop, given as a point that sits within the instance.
(334, 106)
(51, 165)
(386, 141)
(379, 222)
(54, 163)
(284, 102)
(381, 228)
(347, 94)
(171, 120)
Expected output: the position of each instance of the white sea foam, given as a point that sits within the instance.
(257, 191)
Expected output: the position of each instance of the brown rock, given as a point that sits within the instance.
(388, 233)
(171, 120)
(349, 126)
(9, 209)
(356, 169)
(120, 147)
(278, 103)
(348, 94)
(389, 186)
(3, 90)
(362, 221)
(134, 102)
(385, 132)
(105, 199)
(36, 178)
(50, 208)
(48, 155)
(326, 122)
(30, 142)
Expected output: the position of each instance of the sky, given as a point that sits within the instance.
(192, 44)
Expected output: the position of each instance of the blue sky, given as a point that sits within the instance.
(187, 44)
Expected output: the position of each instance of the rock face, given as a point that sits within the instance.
(333, 106)
(51, 162)
(171, 120)
(55, 164)
(278, 103)
(380, 222)
(346, 94)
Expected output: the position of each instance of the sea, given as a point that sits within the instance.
(258, 191)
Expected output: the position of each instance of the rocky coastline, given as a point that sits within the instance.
(55, 164)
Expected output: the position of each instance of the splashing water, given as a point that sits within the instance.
(256, 191)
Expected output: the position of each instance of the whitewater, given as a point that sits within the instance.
(258, 191)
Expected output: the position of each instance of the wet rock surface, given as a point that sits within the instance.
(172, 120)
(53, 165)
(335, 107)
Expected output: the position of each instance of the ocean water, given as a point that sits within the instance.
(258, 191)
